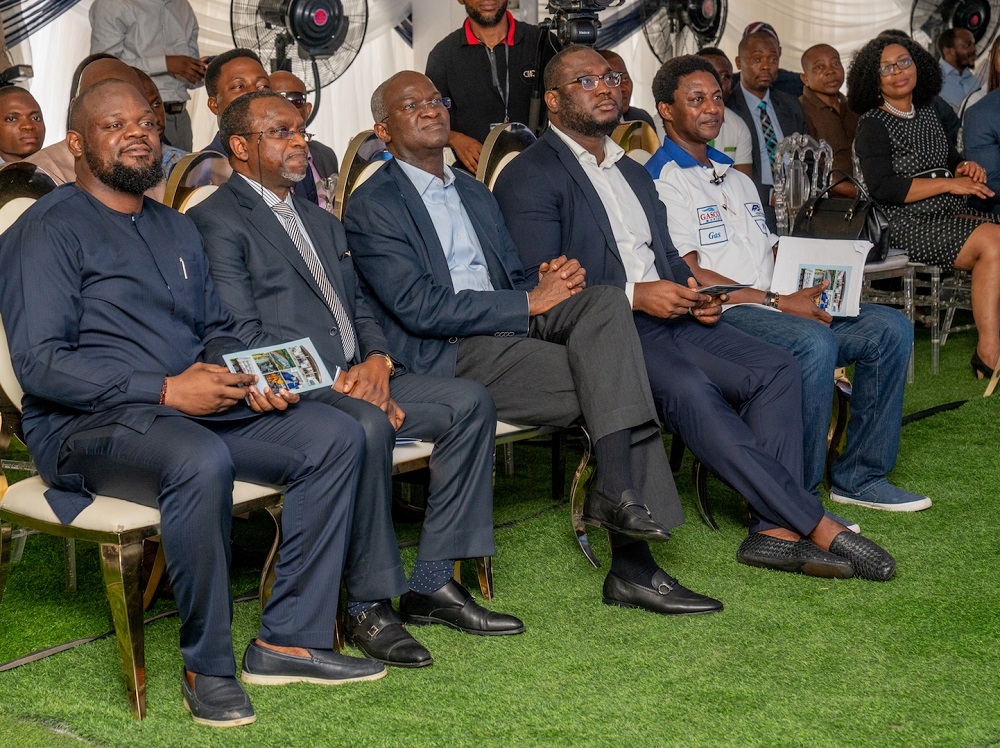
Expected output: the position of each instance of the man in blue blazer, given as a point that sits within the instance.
(281, 266)
(450, 291)
(734, 401)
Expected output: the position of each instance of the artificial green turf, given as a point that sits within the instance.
(792, 661)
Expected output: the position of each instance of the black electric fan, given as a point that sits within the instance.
(930, 17)
(682, 27)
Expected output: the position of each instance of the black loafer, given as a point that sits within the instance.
(217, 701)
(379, 633)
(626, 515)
(453, 606)
(799, 556)
(869, 559)
(268, 667)
(666, 596)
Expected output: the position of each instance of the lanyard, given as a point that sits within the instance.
(505, 91)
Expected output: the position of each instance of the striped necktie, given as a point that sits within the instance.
(770, 139)
(287, 216)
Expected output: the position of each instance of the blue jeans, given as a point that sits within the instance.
(878, 343)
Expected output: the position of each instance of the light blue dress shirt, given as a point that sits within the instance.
(955, 85)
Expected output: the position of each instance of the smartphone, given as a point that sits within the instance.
(722, 288)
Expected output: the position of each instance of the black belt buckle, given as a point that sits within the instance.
(174, 107)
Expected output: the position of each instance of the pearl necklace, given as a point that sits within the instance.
(899, 112)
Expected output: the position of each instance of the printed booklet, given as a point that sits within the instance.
(295, 366)
(802, 263)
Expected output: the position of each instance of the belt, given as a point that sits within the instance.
(174, 107)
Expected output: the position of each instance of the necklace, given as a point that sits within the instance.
(899, 112)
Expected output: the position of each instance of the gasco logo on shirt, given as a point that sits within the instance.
(708, 215)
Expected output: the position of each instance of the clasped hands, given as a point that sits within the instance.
(558, 279)
(369, 381)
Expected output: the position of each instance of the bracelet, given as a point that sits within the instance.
(163, 392)
(388, 360)
(771, 299)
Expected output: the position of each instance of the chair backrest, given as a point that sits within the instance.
(802, 168)
(639, 155)
(195, 196)
(500, 147)
(362, 148)
(193, 171)
(636, 135)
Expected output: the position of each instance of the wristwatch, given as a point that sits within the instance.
(771, 299)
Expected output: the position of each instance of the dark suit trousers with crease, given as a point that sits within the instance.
(581, 363)
(459, 418)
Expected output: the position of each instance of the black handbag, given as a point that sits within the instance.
(826, 217)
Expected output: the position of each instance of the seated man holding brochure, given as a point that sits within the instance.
(728, 396)
(281, 265)
(713, 216)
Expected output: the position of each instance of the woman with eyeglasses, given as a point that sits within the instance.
(899, 144)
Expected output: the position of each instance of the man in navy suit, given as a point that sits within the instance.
(450, 291)
(282, 267)
(734, 400)
(770, 114)
(115, 335)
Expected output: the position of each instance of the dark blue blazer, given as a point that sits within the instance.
(552, 209)
(790, 119)
(266, 284)
(981, 139)
(402, 262)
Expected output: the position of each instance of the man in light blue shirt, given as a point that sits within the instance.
(958, 58)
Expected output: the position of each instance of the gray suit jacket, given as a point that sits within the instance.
(261, 276)
(400, 257)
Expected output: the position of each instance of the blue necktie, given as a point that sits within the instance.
(770, 139)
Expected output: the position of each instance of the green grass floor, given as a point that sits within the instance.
(792, 661)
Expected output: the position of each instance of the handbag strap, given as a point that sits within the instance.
(862, 197)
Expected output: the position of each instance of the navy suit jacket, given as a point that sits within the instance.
(981, 138)
(402, 262)
(790, 119)
(266, 284)
(552, 209)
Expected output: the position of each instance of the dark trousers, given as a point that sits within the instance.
(736, 403)
(582, 362)
(459, 418)
(187, 467)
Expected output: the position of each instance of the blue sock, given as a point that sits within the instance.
(430, 576)
(355, 608)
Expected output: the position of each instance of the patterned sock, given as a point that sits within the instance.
(631, 560)
(430, 576)
(355, 608)
(614, 467)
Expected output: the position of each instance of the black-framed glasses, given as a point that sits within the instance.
(281, 132)
(589, 82)
(298, 100)
(891, 67)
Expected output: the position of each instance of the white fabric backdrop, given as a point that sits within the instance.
(56, 49)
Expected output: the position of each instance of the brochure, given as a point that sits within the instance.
(294, 366)
(802, 263)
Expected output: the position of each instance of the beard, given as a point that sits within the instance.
(584, 123)
(132, 180)
(487, 21)
(292, 176)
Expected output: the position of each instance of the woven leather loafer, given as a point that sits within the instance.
(217, 701)
(268, 667)
(666, 596)
(626, 515)
(379, 633)
(799, 556)
(453, 606)
(869, 559)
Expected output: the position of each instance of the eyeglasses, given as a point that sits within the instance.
(589, 82)
(890, 67)
(281, 132)
(298, 100)
(443, 102)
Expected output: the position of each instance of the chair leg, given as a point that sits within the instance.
(508, 458)
(267, 573)
(69, 561)
(949, 318)
(5, 543)
(699, 477)
(577, 497)
(676, 452)
(838, 424)
(484, 570)
(122, 568)
(17, 545)
(558, 468)
(935, 319)
(909, 312)
(155, 576)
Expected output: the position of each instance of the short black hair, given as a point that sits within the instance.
(553, 71)
(214, 70)
(668, 77)
(745, 41)
(236, 119)
(711, 52)
(10, 90)
(864, 91)
(946, 40)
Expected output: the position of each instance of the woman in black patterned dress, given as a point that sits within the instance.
(891, 83)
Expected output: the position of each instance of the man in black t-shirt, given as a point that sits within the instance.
(488, 69)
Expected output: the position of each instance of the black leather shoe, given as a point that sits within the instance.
(869, 559)
(267, 667)
(379, 633)
(453, 606)
(626, 515)
(666, 596)
(217, 701)
(800, 556)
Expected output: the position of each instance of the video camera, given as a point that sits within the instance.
(575, 21)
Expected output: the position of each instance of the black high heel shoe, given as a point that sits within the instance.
(982, 371)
